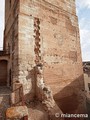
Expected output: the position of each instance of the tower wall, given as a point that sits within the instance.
(46, 31)
(59, 42)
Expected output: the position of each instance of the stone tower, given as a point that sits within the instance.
(45, 31)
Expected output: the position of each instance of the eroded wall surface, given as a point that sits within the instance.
(58, 38)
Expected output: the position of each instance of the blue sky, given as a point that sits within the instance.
(83, 12)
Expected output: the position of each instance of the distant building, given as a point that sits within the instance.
(86, 69)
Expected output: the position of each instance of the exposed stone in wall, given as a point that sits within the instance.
(26, 53)
(45, 95)
(18, 112)
(37, 40)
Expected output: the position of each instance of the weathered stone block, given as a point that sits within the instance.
(16, 112)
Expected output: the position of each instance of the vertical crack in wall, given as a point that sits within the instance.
(37, 40)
